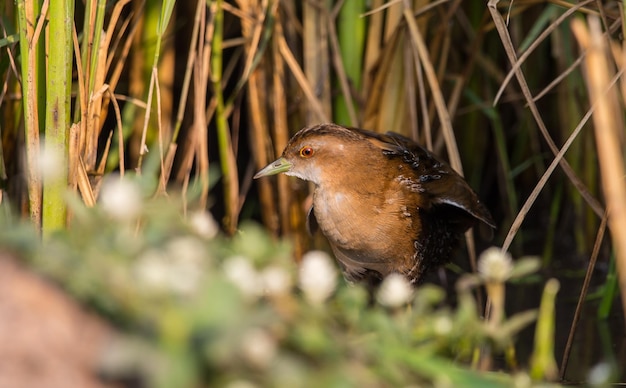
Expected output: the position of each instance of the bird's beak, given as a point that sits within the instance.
(279, 165)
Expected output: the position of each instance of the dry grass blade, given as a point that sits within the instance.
(199, 138)
(292, 63)
(372, 46)
(159, 104)
(114, 18)
(393, 20)
(280, 132)
(166, 171)
(143, 148)
(559, 78)
(84, 186)
(608, 124)
(40, 23)
(259, 139)
(510, 51)
(544, 178)
(31, 66)
(254, 37)
(73, 155)
(76, 147)
(379, 7)
(583, 294)
(546, 33)
(123, 55)
(440, 104)
(259, 122)
(385, 108)
(316, 61)
(413, 73)
(120, 131)
(340, 71)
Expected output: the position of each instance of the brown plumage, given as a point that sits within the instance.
(384, 203)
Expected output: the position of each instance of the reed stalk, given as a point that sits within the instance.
(227, 157)
(31, 16)
(58, 87)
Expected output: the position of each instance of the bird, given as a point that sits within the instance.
(384, 203)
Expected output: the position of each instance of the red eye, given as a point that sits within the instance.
(306, 152)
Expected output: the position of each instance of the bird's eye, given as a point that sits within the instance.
(306, 152)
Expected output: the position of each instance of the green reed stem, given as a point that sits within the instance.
(543, 365)
(58, 98)
(351, 30)
(223, 137)
(166, 12)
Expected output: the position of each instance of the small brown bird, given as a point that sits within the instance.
(384, 203)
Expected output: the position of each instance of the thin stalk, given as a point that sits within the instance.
(349, 61)
(33, 73)
(94, 34)
(512, 56)
(543, 365)
(583, 295)
(608, 125)
(91, 58)
(316, 69)
(227, 159)
(280, 133)
(182, 102)
(260, 135)
(58, 113)
(164, 19)
(437, 95)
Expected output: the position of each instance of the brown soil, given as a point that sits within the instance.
(46, 338)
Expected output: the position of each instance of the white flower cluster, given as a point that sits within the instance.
(120, 198)
(204, 224)
(395, 291)
(495, 265)
(271, 281)
(258, 347)
(177, 268)
(317, 277)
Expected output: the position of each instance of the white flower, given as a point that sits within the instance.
(495, 265)
(187, 249)
(152, 270)
(258, 347)
(204, 224)
(317, 277)
(243, 275)
(187, 256)
(120, 198)
(276, 281)
(600, 374)
(51, 163)
(174, 269)
(394, 291)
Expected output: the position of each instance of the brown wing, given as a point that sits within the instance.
(439, 181)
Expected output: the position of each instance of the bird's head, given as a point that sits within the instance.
(317, 153)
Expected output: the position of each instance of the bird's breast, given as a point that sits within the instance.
(376, 230)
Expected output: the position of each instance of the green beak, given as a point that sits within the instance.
(276, 167)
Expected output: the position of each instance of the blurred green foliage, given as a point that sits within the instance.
(200, 309)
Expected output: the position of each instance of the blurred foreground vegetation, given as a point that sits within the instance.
(199, 309)
(184, 100)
